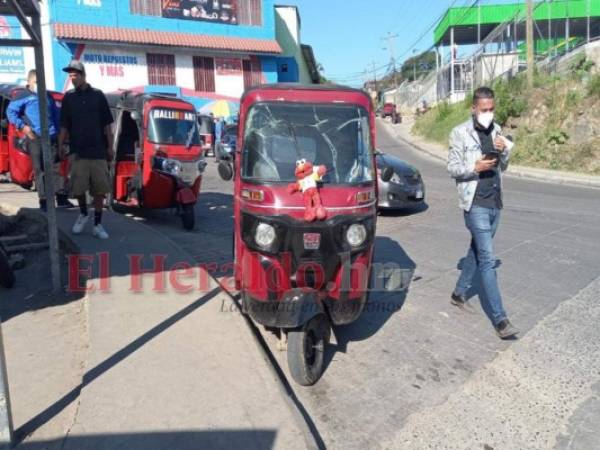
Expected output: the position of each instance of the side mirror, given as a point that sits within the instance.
(135, 115)
(225, 170)
(386, 174)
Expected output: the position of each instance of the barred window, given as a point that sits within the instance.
(161, 69)
(250, 12)
(252, 72)
(204, 74)
(146, 7)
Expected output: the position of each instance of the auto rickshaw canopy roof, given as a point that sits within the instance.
(7, 89)
(136, 100)
(301, 92)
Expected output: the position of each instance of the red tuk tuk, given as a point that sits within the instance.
(158, 154)
(14, 159)
(305, 203)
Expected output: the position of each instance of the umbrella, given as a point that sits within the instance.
(221, 108)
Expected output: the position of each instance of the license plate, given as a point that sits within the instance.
(419, 195)
(312, 241)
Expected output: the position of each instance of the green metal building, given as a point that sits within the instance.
(554, 20)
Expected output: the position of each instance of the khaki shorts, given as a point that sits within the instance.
(89, 175)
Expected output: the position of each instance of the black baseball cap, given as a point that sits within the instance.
(75, 66)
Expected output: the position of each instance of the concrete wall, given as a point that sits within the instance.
(111, 67)
(288, 35)
(489, 67)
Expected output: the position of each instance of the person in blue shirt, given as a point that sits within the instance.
(219, 125)
(24, 114)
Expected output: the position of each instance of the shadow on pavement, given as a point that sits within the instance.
(392, 273)
(404, 212)
(175, 440)
(33, 286)
(95, 372)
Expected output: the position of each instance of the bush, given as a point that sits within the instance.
(510, 98)
(437, 124)
(580, 67)
(593, 87)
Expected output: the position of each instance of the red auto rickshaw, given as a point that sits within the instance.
(159, 160)
(14, 158)
(305, 204)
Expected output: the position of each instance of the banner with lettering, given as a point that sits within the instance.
(221, 11)
(12, 59)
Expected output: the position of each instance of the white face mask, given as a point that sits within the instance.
(485, 119)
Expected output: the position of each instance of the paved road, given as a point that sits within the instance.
(391, 369)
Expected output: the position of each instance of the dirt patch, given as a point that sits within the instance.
(12, 224)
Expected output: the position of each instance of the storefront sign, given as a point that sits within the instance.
(110, 65)
(221, 11)
(229, 66)
(12, 59)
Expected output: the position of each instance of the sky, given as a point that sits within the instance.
(347, 35)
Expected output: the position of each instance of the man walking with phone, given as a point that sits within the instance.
(478, 155)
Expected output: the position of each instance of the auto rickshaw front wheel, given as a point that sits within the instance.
(187, 216)
(7, 277)
(306, 350)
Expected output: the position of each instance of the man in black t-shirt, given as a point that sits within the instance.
(86, 121)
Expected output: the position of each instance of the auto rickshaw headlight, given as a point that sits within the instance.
(356, 234)
(265, 235)
(172, 166)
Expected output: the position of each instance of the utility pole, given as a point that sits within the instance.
(374, 66)
(529, 38)
(478, 22)
(390, 39)
(588, 21)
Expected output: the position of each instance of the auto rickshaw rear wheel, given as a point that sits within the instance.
(306, 350)
(187, 216)
(7, 277)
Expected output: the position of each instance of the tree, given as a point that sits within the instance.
(322, 79)
(420, 64)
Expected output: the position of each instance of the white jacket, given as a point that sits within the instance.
(465, 150)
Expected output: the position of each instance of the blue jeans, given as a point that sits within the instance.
(482, 223)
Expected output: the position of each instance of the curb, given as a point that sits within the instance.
(309, 437)
(525, 173)
(69, 244)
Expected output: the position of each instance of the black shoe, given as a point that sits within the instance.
(43, 206)
(505, 329)
(461, 302)
(62, 201)
(458, 300)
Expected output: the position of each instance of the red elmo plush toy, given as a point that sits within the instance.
(307, 177)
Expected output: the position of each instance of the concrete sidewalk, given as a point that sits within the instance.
(440, 152)
(165, 367)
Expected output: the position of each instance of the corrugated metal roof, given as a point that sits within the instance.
(79, 32)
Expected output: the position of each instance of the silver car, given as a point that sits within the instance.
(405, 187)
